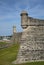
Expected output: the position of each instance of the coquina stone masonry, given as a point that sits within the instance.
(32, 39)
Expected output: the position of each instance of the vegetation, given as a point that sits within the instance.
(32, 63)
(7, 55)
(2, 43)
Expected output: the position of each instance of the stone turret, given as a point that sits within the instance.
(14, 34)
(14, 29)
(24, 19)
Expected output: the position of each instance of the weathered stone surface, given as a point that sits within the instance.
(32, 40)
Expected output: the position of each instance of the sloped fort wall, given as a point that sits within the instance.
(32, 39)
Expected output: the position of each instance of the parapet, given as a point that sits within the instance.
(35, 22)
(29, 21)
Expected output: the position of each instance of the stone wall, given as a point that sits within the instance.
(34, 22)
(32, 40)
(16, 37)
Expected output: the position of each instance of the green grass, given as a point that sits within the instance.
(2, 43)
(8, 55)
(32, 63)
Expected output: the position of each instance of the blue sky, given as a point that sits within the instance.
(10, 13)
